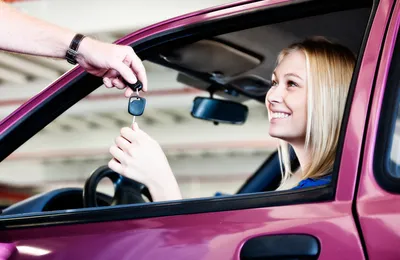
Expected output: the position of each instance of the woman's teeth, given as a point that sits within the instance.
(280, 115)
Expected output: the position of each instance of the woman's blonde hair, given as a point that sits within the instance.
(329, 68)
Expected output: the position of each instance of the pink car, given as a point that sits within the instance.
(356, 216)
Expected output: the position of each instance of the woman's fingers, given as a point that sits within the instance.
(128, 134)
(115, 166)
(122, 143)
(140, 134)
(132, 135)
(127, 171)
(118, 154)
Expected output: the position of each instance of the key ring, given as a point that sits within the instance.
(134, 117)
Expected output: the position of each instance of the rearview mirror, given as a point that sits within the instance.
(219, 111)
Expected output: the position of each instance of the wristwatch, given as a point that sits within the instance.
(72, 51)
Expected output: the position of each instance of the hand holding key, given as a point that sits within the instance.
(139, 157)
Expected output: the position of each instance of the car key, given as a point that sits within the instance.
(136, 103)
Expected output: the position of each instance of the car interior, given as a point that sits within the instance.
(235, 67)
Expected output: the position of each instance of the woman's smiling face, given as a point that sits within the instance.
(286, 101)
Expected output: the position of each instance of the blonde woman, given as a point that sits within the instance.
(305, 107)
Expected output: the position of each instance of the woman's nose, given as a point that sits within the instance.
(275, 95)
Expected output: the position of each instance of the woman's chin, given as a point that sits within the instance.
(280, 135)
(287, 137)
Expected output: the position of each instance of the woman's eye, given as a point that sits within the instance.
(292, 84)
(274, 83)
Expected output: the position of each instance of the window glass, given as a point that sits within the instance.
(206, 158)
(394, 159)
(202, 155)
(387, 150)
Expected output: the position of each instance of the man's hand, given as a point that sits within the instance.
(112, 62)
(26, 34)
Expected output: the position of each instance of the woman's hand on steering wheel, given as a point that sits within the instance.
(139, 157)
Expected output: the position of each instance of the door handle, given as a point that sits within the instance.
(283, 247)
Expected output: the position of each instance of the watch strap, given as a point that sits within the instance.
(72, 51)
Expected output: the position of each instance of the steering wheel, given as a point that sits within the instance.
(126, 191)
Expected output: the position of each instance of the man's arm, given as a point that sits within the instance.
(25, 34)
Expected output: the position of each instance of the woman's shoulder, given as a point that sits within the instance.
(312, 182)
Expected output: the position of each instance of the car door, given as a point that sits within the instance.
(378, 195)
(313, 223)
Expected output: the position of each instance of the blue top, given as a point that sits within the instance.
(309, 182)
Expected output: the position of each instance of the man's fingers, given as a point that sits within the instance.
(118, 83)
(131, 69)
(111, 73)
(139, 69)
(125, 72)
(128, 92)
(110, 79)
(107, 82)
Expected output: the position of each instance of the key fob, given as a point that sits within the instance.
(136, 86)
(136, 105)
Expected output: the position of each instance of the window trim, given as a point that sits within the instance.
(170, 208)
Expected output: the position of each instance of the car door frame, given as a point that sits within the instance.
(378, 192)
(342, 196)
(143, 40)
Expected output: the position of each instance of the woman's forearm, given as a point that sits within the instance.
(166, 191)
(25, 34)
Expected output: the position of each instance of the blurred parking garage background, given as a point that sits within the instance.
(204, 157)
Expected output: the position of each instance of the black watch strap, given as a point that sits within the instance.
(72, 51)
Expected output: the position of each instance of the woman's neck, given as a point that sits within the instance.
(302, 155)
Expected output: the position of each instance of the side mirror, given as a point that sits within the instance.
(219, 111)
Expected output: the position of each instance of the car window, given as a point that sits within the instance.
(206, 158)
(202, 155)
(387, 152)
(394, 157)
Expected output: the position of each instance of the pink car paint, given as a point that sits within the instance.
(6, 249)
(221, 235)
(379, 210)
